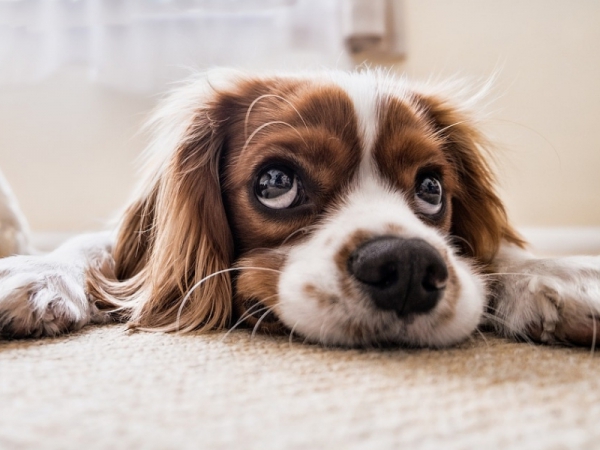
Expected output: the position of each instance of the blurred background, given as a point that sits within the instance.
(78, 77)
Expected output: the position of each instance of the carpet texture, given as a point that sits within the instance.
(106, 388)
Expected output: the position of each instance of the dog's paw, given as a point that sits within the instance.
(550, 300)
(42, 296)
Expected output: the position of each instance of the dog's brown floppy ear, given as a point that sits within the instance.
(174, 238)
(478, 215)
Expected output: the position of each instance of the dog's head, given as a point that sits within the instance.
(352, 209)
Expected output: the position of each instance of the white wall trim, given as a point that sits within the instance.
(543, 240)
(563, 240)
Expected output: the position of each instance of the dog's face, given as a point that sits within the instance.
(353, 208)
(343, 201)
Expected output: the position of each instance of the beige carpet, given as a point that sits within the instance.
(104, 388)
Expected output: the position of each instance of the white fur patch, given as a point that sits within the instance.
(45, 295)
(559, 296)
(376, 209)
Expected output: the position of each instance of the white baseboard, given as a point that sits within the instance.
(543, 240)
(563, 240)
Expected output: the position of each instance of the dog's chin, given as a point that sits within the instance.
(354, 322)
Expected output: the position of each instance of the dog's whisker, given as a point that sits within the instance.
(492, 309)
(250, 312)
(212, 275)
(441, 131)
(264, 125)
(325, 327)
(508, 330)
(506, 326)
(259, 321)
(256, 308)
(292, 333)
(462, 239)
(495, 276)
(256, 100)
(487, 344)
(594, 318)
(305, 229)
(594, 332)
(533, 130)
(496, 319)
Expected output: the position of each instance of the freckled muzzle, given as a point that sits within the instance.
(407, 276)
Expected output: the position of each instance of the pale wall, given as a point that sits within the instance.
(68, 146)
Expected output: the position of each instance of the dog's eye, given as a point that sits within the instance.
(429, 195)
(278, 188)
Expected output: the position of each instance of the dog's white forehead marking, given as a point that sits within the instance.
(365, 96)
(373, 206)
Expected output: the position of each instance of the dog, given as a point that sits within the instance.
(348, 209)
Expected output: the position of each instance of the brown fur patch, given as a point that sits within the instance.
(346, 282)
(323, 298)
(351, 244)
(256, 292)
(406, 147)
(478, 216)
(315, 134)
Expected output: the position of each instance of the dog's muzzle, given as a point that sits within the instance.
(407, 276)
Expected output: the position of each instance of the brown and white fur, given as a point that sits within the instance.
(351, 209)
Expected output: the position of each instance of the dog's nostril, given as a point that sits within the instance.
(436, 277)
(405, 275)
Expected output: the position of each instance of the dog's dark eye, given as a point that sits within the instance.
(278, 188)
(429, 195)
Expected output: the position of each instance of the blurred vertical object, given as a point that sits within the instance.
(373, 26)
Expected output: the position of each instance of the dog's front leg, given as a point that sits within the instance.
(548, 300)
(14, 232)
(45, 295)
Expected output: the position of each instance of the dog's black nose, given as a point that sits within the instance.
(405, 275)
